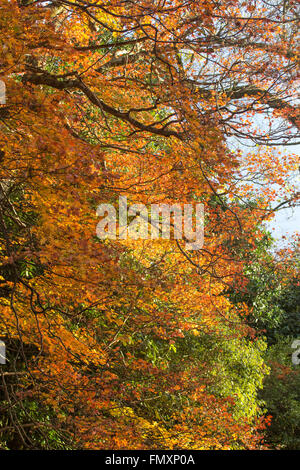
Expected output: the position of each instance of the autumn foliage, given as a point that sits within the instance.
(134, 344)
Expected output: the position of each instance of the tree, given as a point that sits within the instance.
(272, 294)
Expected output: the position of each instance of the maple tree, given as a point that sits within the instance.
(135, 343)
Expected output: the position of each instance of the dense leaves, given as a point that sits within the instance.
(138, 343)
